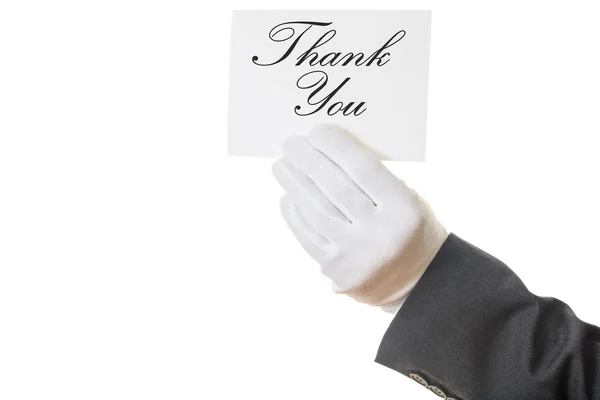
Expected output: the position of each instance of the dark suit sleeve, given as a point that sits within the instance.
(471, 330)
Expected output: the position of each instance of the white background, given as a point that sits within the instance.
(138, 261)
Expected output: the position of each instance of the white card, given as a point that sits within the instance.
(366, 71)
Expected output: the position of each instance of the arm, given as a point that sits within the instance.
(467, 327)
(470, 329)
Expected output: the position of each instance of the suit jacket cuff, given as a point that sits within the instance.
(440, 337)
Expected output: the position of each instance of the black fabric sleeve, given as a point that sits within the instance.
(471, 330)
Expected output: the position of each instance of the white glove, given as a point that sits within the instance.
(372, 235)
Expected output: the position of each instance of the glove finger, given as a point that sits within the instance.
(315, 244)
(356, 160)
(319, 212)
(331, 180)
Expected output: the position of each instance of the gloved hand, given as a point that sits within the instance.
(372, 235)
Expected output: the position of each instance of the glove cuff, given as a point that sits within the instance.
(393, 282)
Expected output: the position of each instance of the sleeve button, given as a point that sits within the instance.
(438, 391)
(419, 379)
